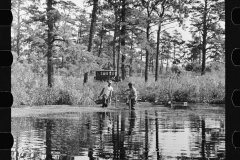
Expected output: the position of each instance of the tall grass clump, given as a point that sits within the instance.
(22, 80)
(30, 88)
(187, 86)
(69, 91)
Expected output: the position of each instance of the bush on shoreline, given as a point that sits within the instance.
(29, 88)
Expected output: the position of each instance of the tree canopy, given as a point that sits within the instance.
(59, 37)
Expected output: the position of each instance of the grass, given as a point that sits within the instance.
(30, 88)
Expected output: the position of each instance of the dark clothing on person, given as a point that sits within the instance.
(132, 97)
(133, 102)
(90, 154)
(105, 101)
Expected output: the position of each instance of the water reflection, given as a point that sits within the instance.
(139, 134)
(203, 138)
(157, 144)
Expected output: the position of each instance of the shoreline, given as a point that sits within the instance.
(25, 111)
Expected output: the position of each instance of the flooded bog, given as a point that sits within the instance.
(150, 133)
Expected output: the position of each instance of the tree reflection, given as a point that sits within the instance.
(114, 142)
(101, 116)
(157, 147)
(122, 137)
(88, 130)
(132, 119)
(49, 124)
(146, 134)
(117, 148)
(203, 139)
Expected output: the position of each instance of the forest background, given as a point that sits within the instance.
(58, 46)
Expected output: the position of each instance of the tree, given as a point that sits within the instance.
(148, 20)
(206, 20)
(122, 37)
(166, 47)
(16, 7)
(91, 33)
(160, 14)
(195, 50)
(52, 16)
(115, 34)
(83, 27)
(177, 43)
(53, 34)
(169, 12)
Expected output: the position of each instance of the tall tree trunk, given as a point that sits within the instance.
(152, 65)
(123, 67)
(123, 34)
(100, 45)
(92, 29)
(114, 37)
(131, 67)
(200, 58)
(167, 65)
(118, 61)
(50, 44)
(174, 51)
(147, 53)
(157, 56)
(204, 38)
(119, 51)
(161, 66)
(131, 59)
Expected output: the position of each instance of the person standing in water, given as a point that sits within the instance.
(106, 94)
(132, 97)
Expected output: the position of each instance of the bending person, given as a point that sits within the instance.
(132, 97)
(106, 94)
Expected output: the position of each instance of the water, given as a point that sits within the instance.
(154, 133)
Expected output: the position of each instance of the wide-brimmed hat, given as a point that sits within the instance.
(130, 84)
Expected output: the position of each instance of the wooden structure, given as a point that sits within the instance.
(104, 75)
(173, 105)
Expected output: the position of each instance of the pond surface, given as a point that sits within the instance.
(151, 133)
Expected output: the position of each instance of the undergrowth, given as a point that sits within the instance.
(30, 88)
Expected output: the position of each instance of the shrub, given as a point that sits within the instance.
(21, 79)
(196, 67)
